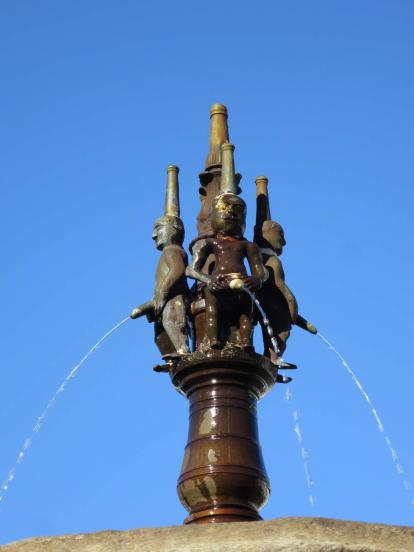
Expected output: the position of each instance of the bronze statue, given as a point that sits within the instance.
(168, 309)
(223, 477)
(276, 298)
(229, 313)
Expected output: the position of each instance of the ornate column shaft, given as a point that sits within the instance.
(223, 477)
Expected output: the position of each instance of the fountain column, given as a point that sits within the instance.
(223, 477)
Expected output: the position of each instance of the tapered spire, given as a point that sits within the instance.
(262, 200)
(228, 183)
(172, 198)
(262, 206)
(219, 134)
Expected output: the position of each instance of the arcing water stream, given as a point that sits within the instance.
(296, 417)
(256, 301)
(303, 451)
(398, 467)
(41, 419)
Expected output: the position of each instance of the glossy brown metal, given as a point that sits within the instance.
(262, 206)
(276, 298)
(168, 308)
(219, 134)
(210, 179)
(223, 477)
(228, 313)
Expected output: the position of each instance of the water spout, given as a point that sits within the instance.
(310, 483)
(238, 284)
(41, 419)
(380, 426)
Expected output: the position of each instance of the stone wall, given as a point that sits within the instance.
(279, 535)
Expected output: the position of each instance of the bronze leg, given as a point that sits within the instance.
(212, 318)
(245, 331)
(162, 339)
(175, 323)
(282, 337)
(267, 344)
(246, 321)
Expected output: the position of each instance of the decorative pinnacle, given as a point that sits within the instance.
(219, 134)
(262, 206)
(262, 200)
(172, 198)
(228, 183)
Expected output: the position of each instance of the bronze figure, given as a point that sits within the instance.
(168, 310)
(228, 312)
(276, 298)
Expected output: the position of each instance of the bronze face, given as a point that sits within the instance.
(228, 215)
(274, 236)
(168, 230)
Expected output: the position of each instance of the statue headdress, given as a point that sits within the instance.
(263, 217)
(172, 200)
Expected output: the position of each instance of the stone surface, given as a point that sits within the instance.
(279, 535)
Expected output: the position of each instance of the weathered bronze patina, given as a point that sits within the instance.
(210, 179)
(228, 312)
(168, 309)
(276, 298)
(223, 477)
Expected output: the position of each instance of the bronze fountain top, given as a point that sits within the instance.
(205, 333)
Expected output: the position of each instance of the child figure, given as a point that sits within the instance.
(168, 309)
(229, 313)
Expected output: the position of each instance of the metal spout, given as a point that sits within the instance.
(172, 199)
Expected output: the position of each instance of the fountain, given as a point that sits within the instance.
(205, 338)
(223, 477)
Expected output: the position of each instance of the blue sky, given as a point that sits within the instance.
(97, 99)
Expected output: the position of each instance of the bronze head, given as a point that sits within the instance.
(168, 230)
(228, 215)
(272, 236)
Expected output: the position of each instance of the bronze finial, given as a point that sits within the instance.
(228, 183)
(262, 206)
(172, 199)
(219, 134)
(262, 199)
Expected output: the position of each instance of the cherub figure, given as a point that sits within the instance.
(229, 312)
(276, 298)
(169, 306)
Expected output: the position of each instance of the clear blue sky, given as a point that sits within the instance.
(97, 98)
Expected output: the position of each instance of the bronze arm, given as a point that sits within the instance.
(279, 277)
(255, 261)
(176, 269)
(201, 251)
